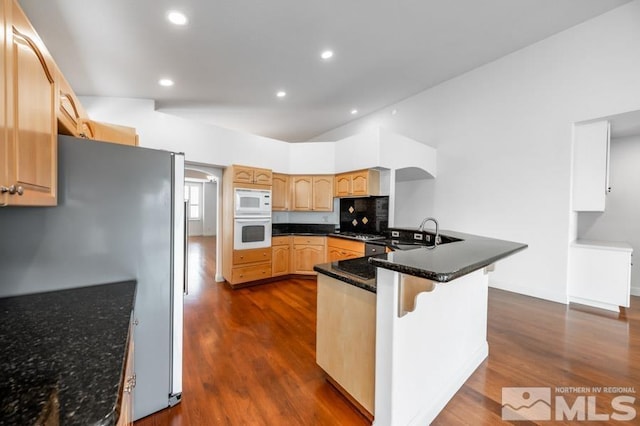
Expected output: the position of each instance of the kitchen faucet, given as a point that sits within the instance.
(421, 228)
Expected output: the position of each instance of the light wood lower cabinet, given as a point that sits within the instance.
(250, 273)
(125, 415)
(345, 339)
(307, 252)
(251, 265)
(280, 256)
(341, 249)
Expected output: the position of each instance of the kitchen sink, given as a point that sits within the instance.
(414, 244)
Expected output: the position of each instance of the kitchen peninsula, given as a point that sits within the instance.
(410, 326)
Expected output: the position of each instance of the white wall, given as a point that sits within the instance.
(211, 194)
(200, 142)
(503, 134)
(621, 219)
(210, 209)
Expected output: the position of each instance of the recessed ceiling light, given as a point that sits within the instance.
(327, 54)
(177, 18)
(166, 82)
(394, 112)
(281, 94)
(354, 111)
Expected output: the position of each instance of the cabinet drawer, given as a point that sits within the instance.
(280, 241)
(309, 240)
(250, 273)
(341, 243)
(334, 254)
(251, 256)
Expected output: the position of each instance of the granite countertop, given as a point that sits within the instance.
(65, 347)
(443, 263)
(447, 262)
(358, 272)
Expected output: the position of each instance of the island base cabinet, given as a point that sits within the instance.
(345, 339)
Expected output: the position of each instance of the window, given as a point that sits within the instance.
(192, 194)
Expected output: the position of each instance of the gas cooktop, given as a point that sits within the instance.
(362, 237)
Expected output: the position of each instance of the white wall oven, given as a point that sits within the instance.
(251, 232)
(252, 219)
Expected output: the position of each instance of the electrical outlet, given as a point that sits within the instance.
(427, 238)
(417, 236)
(395, 233)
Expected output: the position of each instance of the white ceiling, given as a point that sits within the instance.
(233, 56)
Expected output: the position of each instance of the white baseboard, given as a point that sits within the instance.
(533, 292)
(219, 278)
(594, 303)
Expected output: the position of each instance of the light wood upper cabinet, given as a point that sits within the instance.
(280, 192)
(322, 193)
(361, 183)
(302, 193)
(30, 152)
(311, 193)
(343, 185)
(70, 111)
(107, 132)
(4, 158)
(252, 175)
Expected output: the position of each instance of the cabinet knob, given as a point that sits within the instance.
(12, 190)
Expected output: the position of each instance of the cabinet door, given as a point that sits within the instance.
(334, 254)
(323, 193)
(70, 111)
(125, 416)
(305, 257)
(590, 166)
(280, 192)
(262, 176)
(360, 183)
(242, 174)
(32, 153)
(302, 193)
(4, 159)
(343, 185)
(113, 133)
(280, 260)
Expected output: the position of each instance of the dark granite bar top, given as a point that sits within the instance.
(358, 272)
(67, 347)
(447, 262)
(302, 229)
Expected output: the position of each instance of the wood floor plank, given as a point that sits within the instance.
(249, 355)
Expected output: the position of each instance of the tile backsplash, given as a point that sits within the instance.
(368, 215)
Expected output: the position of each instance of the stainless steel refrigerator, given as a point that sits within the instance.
(120, 216)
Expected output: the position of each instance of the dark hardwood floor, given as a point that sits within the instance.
(249, 355)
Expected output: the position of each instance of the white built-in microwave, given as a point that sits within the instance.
(252, 202)
(251, 232)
